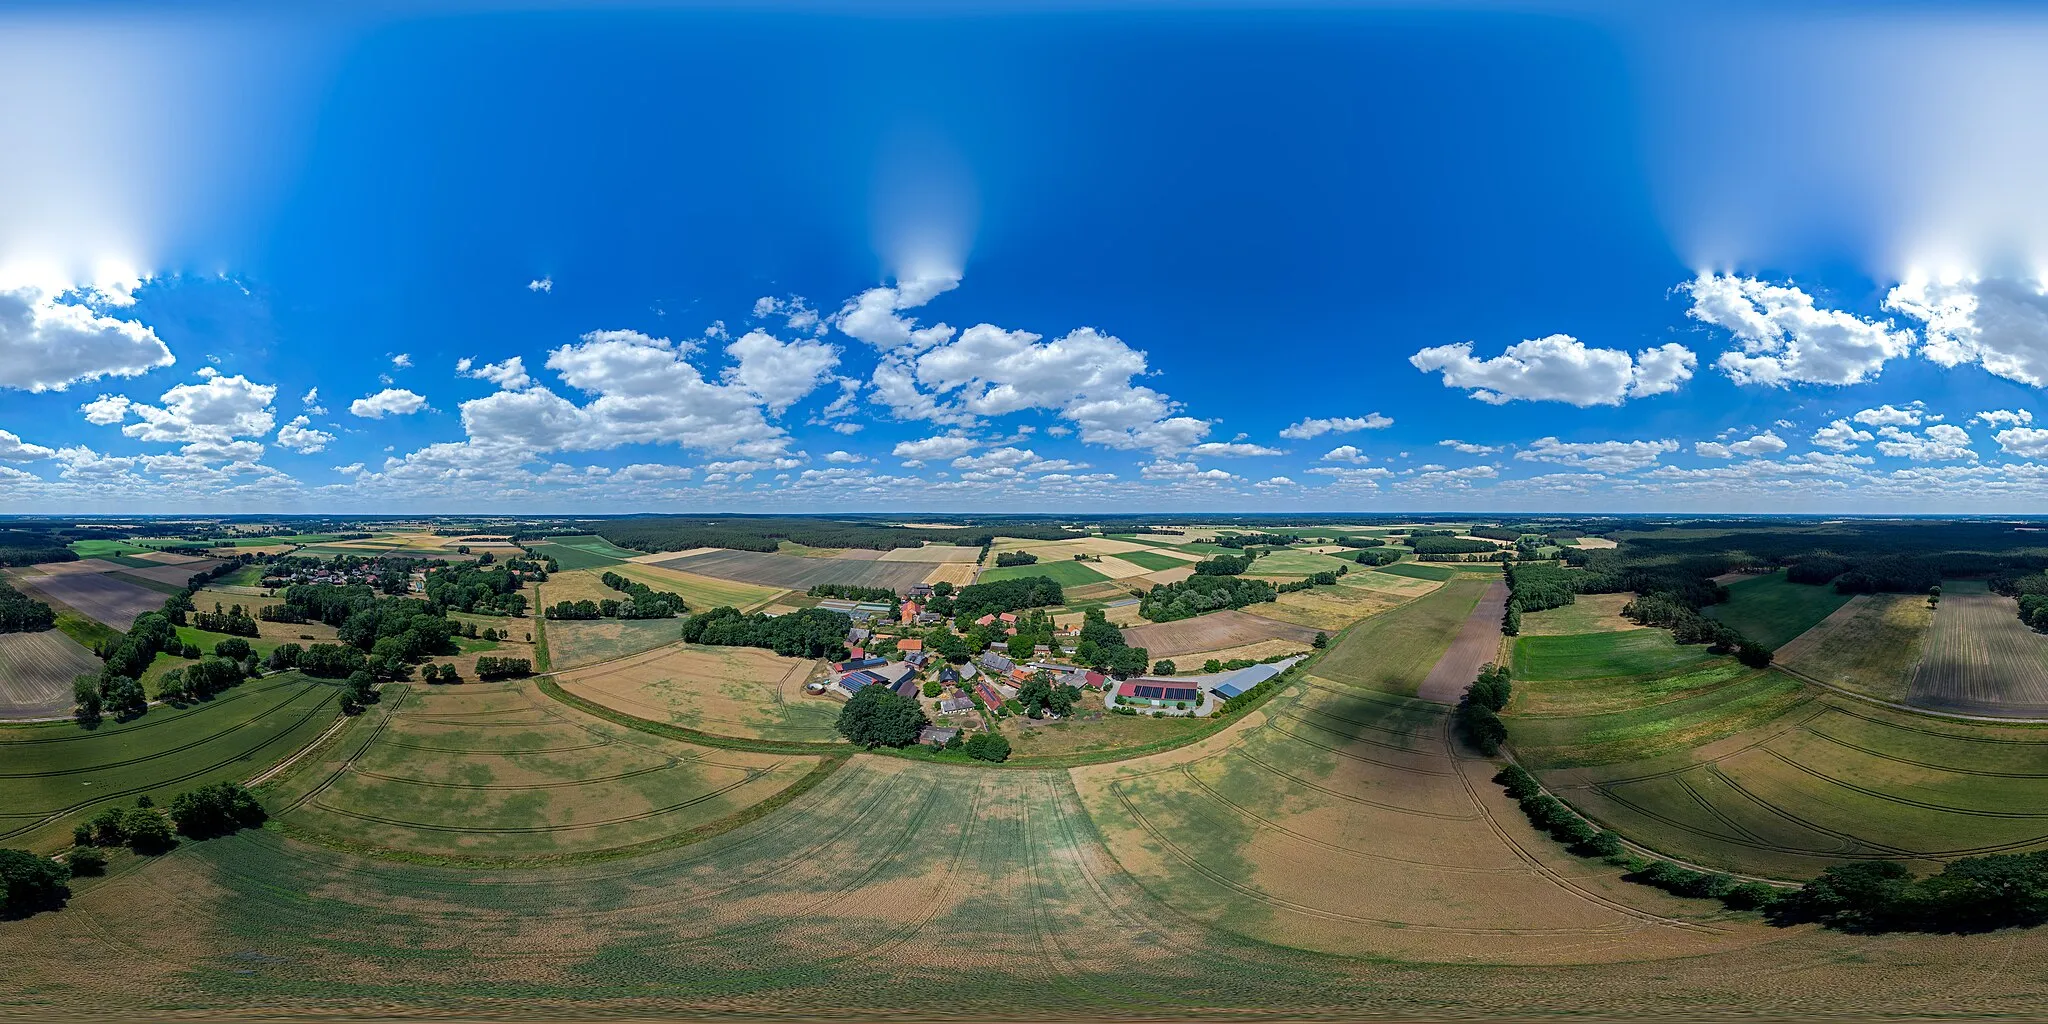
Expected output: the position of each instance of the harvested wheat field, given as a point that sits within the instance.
(728, 691)
(498, 772)
(1871, 645)
(1326, 608)
(98, 596)
(1981, 659)
(1165, 576)
(82, 566)
(932, 553)
(794, 572)
(577, 642)
(1063, 550)
(36, 670)
(1211, 632)
(169, 557)
(958, 574)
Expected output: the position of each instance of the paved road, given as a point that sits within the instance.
(1478, 642)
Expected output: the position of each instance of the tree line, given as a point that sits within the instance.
(854, 592)
(807, 633)
(1190, 597)
(20, 613)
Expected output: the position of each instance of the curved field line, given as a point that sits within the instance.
(167, 751)
(1777, 729)
(1267, 823)
(238, 693)
(536, 829)
(1903, 727)
(1415, 704)
(1882, 756)
(496, 753)
(1363, 725)
(361, 749)
(1809, 825)
(635, 773)
(1345, 753)
(1903, 800)
(1297, 780)
(936, 902)
(1708, 806)
(1844, 846)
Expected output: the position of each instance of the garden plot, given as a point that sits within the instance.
(1982, 659)
(728, 691)
(1214, 631)
(792, 572)
(36, 670)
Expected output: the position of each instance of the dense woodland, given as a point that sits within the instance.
(20, 613)
(809, 633)
(1190, 597)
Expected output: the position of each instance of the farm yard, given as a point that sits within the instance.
(793, 572)
(36, 670)
(1871, 645)
(1212, 632)
(1981, 659)
(726, 691)
(100, 596)
(499, 773)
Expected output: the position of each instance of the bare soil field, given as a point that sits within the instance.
(98, 596)
(177, 574)
(932, 553)
(1871, 645)
(1211, 632)
(36, 670)
(1982, 659)
(727, 691)
(1594, 543)
(82, 566)
(1477, 645)
(791, 572)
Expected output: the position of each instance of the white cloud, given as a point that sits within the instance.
(388, 402)
(1234, 449)
(1786, 339)
(541, 284)
(311, 400)
(1766, 443)
(509, 375)
(872, 316)
(1839, 436)
(299, 436)
(1471, 449)
(106, 410)
(1276, 483)
(1891, 416)
(1346, 453)
(945, 446)
(1941, 442)
(401, 360)
(2004, 417)
(211, 412)
(1308, 428)
(14, 449)
(778, 372)
(1559, 368)
(52, 338)
(2001, 325)
(1604, 456)
(349, 470)
(844, 457)
(795, 312)
(1007, 461)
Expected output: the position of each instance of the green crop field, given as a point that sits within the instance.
(58, 774)
(1872, 646)
(1068, 573)
(584, 552)
(1635, 652)
(104, 548)
(1772, 610)
(1418, 570)
(1394, 650)
(1283, 562)
(1705, 708)
(497, 772)
(1153, 560)
(1553, 697)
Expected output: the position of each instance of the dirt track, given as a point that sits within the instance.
(1478, 642)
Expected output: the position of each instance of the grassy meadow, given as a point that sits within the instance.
(1772, 610)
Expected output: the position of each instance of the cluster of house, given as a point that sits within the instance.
(324, 574)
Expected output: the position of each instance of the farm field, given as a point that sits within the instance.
(1062, 550)
(1871, 645)
(113, 602)
(575, 585)
(1395, 651)
(792, 572)
(102, 548)
(1213, 631)
(1256, 651)
(1771, 610)
(1638, 652)
(583, 552)
(1418, 570)
(1476, 646)
(1287, 563)
(495, 771)
(958, 574)
(1981, 659)
(1824, 781)
(57, 774)
(932, 553)
(175, 574)
(1588, 613)
(1153, 560)
(1091, 731)
(576, 642)
(1700, 706)
(319, 632)
(36, 670)
(1067, 573)
(727, 691)
(1326, 608)
(700, 592)
(1165, 576)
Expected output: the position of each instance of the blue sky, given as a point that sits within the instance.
(959, 258)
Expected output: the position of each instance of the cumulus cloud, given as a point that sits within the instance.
(1999, 324)
(300, 436)
(1346, 453)
(1603, 456)
(794, 310)
(945, 446)
(1276, 483)
(1308, 428)
(2004, 418)
(844, 457)
(1892, 416)
(1559, 368)
(780, 373)
(311, 400)
(1766, 443)
(106, 410)
(1786, 338)
(1232, 450)
(14, 449)
(1840, 436)
(388, 402)
(1470, 449)
(52, 339)
(2026, 442)
(541, 284)
(401, 360)
(1941, 442)
(874, 316)
(509, 375)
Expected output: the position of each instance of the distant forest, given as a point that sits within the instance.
(766, 533)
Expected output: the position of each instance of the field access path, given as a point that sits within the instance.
(1477, 643)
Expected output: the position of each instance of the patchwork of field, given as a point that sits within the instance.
(1982, 659)
(175, 574)
(1872, 645)
(577, 642)
(498, 772)
(1395, 651)
(172, 558)
(932, 553)
(36, 670)
(1068, 573)
(1477, 645)
(1825, 781)
(1588, 613)
(1771, 610)
(57, 774)
(1065, 550)
(98, 595)
(792, 572)
(1211, 632)
(727, 691)
(82, 566)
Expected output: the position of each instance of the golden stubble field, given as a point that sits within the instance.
(727, 691)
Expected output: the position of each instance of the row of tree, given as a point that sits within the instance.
(855, 592)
